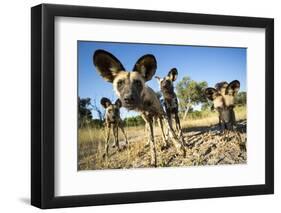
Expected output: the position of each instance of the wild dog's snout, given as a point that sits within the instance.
(129, 98)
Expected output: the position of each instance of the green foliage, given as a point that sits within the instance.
(241, 98)
(84, 111)
(96, 123)
(190, 93)
(85, 117)
(199, 114)
(134, 121)
(207, 106)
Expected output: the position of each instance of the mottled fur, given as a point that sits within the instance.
(134, 94)
(170, 98)
(222, 97)
(113, 121)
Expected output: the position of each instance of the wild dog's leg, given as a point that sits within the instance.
(177, 121)
(178, 126)
(115, 133)
(169, 118)
(152, 145)
(233, 120)
(147, 133)
(108, 128)
(117, 138)
(121, 126)
(221, 124)
(160, 122)
(149, 125)
(178, 143)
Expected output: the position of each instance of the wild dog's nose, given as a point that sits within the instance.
(128, 98)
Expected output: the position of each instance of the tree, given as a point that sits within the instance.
(241, 98)
(208, 105)
(84, 112)
(98, 110)
(134, 121)
(190, 93)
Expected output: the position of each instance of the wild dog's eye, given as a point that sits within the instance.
(120, 83)
(109, 110)
(138, 84)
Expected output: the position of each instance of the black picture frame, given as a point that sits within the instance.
(43, 117)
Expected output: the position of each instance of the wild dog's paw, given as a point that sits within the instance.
(126, 146)
(165, 146)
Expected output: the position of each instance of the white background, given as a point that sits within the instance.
(15, 106)
(70, 182)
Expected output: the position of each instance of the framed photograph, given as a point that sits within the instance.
(139, 106)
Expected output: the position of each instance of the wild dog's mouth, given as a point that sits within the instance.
(131, 100)
(129, 104)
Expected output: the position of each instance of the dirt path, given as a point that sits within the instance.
(204, 146)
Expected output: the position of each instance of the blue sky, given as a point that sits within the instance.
(211, 64)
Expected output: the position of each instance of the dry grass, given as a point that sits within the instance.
(212, 118)
(204, 146)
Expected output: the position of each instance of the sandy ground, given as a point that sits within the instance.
(203, 145)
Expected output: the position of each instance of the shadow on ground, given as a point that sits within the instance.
(204, 146)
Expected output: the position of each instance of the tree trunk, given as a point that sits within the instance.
(185, 112)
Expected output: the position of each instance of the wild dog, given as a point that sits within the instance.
(170, 98)
(113, 121)
(222, 97)
(133, 92)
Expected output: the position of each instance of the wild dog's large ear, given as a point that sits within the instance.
(118, 103)
(105, 102)
(107, 65)
(233, 88)
(173, 74)
(210, 93)
(221, 84)
(221, 87)
(146, 66)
